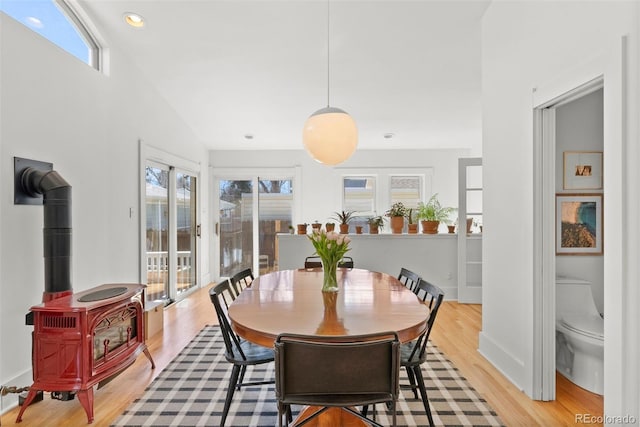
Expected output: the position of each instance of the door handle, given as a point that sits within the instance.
(198, 230)
(217, 231)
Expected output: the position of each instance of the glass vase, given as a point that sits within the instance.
(330, 281)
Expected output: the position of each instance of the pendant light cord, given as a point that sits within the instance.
(328, 51)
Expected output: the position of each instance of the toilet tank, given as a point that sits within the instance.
(574, 296)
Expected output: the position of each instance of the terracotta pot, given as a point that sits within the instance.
(358, 229)
(430, 227)
(330, 226)
(469, 224)
(413, 228)
(373, 228)
(451, 228)
(302, 228)
(397, 224)
(316, 226)
(344, 228)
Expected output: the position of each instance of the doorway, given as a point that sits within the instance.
(169, 223)
(556, 139)
(252, 211)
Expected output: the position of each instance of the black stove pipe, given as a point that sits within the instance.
(57, 229)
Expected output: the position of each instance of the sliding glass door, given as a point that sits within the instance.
(171, 232)
(252, 211)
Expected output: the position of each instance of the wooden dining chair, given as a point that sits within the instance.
(241, 280)
(414, 353)
(331, 372)
(409, 278)
(316, 262)
(312, 262)
(239, 352)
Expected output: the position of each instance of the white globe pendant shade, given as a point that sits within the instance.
(330, 136)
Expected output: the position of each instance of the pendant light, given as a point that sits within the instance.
(330, 135)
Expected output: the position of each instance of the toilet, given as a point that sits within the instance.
(579, 335)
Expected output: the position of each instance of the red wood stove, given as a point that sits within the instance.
(83, 339)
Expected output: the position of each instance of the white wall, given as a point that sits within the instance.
(59, 110)
(579, 127)
(527, 47)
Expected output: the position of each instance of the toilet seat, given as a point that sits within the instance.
(584, 324)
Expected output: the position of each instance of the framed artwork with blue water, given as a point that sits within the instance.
(579, 224)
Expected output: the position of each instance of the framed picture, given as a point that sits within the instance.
(582, 170)
(578, 224)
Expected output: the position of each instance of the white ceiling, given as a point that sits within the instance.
(231, 68)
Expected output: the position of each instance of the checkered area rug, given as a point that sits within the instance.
(191, 390)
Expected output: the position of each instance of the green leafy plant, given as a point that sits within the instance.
(376, 220)
(433, 210)
(344, 216)
(397, 209)
(410, 216)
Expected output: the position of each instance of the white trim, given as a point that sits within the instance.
(544, 351)
(621, 375)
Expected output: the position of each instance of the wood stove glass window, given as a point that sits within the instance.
(114, 331)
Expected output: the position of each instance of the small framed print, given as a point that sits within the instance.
(582, 170)
(578, 224)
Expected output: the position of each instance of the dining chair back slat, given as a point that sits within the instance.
(241, 280)
(409, 278)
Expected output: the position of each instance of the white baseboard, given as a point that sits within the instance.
(10, 401)
(450, 293)
(508, 365)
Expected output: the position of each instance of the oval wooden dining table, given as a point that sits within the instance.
(292, 301)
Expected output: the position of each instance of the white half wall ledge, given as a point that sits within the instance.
(508, 365)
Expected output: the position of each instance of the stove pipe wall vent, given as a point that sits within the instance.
(35, 180)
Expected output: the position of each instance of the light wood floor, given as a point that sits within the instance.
(455, 333)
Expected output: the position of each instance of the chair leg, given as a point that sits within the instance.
(412, 381)
(235, 373)
(423, 393)
(242, 372)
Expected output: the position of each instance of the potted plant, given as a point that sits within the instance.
(396, 217)
(291, 230)
(343, 218)
(316, 225)
(329, 226)
(302, 228)
(431, 213)
(376, 223)
(412, 227)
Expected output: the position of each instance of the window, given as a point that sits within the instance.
(57, 22)
(372, 194)
(406, 189)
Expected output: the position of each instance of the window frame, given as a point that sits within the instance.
(383, 183)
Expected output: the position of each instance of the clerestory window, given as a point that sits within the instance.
(56, 21)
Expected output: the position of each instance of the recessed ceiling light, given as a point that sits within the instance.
(134, 20)
(389, 135)
(248, 136)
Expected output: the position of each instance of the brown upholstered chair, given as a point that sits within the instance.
(329, 372)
